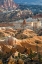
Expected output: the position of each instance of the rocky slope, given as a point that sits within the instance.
(19, 34)
(22, 46)
(11, 42)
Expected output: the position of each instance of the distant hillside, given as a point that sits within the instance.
(34, 8)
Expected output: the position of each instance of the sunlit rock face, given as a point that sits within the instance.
(8, 4)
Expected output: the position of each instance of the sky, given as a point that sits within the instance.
(35, 2)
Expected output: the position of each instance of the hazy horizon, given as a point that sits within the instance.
(34, 2)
